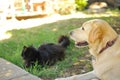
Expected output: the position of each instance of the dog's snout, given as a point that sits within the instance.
(71, 32)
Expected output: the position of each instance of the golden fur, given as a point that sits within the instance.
(97, 33)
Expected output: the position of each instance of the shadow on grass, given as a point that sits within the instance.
(76, 61)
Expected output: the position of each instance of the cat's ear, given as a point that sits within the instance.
(24, 47)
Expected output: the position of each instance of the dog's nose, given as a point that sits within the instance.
(71, 32)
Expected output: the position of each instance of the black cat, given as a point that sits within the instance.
(46, 54)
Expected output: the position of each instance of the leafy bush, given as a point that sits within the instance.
(65, 6)
(80, 4)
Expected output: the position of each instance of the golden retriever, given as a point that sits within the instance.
(104, 45)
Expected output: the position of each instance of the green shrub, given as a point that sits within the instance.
(80, 4)
(64, 7)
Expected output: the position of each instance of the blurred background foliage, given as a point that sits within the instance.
(80, 4)
(64, 7)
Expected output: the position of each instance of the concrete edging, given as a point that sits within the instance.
(9, 71)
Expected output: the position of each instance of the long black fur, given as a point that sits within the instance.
(46, 54)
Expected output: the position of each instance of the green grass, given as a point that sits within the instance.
(10, 49)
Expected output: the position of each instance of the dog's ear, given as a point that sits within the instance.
(95, 34)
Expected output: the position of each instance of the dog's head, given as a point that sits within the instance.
(92, 32)
(29, 54)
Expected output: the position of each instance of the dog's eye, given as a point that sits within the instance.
(83, 28)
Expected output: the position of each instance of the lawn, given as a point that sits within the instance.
(76, 60)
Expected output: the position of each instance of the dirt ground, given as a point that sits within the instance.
(82, 66)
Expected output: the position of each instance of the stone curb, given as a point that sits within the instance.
(87, 76)
(9, 71)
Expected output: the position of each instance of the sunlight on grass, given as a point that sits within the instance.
(54, 29)
(5, 36)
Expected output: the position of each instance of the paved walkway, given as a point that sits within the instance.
(9, 71)
(23, 24)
